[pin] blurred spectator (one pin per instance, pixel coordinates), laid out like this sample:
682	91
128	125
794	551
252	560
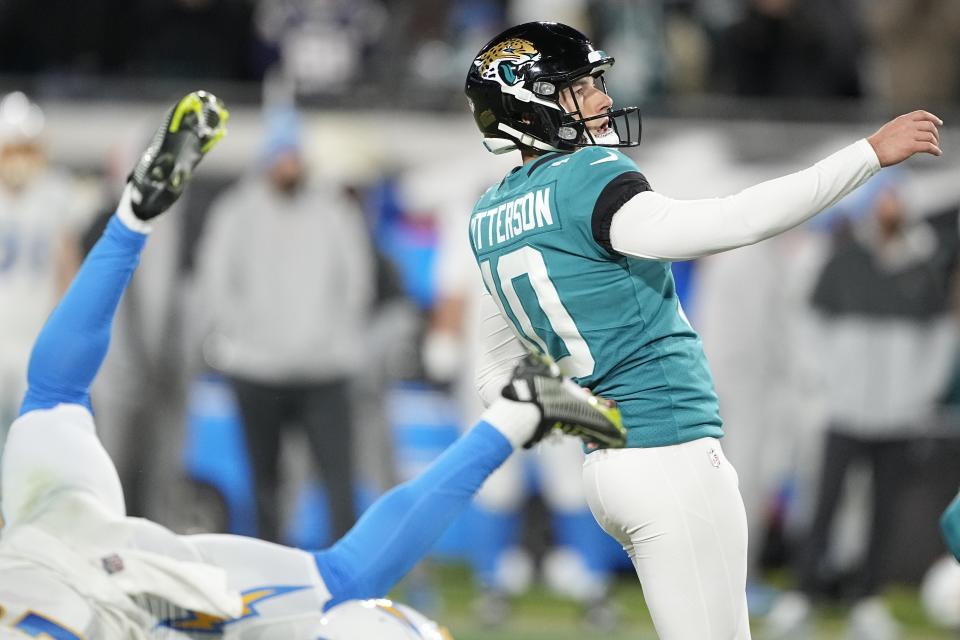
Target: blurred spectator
917	51
322	45
448	35
888	340
787	48
39	220
287	275
687	49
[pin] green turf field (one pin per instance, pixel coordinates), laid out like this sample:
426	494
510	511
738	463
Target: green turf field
540	616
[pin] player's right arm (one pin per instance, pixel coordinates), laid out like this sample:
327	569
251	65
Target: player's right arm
651	225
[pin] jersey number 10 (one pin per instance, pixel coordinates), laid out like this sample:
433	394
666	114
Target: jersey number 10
528	262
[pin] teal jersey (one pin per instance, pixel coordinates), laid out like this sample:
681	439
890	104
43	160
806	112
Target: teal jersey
613	323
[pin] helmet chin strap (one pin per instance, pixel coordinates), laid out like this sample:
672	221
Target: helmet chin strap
502	145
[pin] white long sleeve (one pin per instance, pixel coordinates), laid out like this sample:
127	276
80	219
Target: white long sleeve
653	226
500	351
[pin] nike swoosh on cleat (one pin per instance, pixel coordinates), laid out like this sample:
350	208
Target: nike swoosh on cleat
609	158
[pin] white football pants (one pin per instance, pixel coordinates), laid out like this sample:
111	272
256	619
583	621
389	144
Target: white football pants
677	512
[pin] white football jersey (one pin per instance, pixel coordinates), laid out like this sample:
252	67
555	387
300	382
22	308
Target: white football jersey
73	566
154	585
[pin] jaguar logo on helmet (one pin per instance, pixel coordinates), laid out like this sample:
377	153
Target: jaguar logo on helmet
504	61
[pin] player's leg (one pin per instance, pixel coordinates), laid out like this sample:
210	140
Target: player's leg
399	529
251	563
53	445
839	452
870	617
679	516
328	420
73	342
261	410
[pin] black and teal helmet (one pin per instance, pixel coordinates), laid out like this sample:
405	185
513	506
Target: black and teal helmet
514	84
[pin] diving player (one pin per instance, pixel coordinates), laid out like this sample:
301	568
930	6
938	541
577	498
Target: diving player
575	248
73	566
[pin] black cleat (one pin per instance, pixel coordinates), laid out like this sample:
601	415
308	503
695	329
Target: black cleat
564	405
191	128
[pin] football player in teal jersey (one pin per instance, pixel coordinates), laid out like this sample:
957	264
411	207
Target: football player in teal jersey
575	249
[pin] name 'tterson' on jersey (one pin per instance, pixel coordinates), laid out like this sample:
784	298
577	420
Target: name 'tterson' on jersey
509	220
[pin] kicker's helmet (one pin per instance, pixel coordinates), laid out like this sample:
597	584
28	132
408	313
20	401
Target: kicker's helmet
514	84
379	619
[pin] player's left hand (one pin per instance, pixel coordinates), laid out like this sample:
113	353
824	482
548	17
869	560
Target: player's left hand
906	135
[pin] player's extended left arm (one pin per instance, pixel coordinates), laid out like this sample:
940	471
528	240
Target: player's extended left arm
651	225
73	343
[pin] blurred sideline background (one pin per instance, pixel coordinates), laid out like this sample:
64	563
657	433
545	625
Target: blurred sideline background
833	346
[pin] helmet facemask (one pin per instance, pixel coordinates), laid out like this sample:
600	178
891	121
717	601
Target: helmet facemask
624	124
551	123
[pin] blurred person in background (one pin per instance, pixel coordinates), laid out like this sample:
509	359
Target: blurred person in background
688	48
788	49
287	278
915	50
320	46
577	564
887	340
39	225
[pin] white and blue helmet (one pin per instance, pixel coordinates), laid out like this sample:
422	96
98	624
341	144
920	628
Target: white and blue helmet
380	619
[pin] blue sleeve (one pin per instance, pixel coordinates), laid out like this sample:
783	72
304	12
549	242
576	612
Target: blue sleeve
73	343
401	527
